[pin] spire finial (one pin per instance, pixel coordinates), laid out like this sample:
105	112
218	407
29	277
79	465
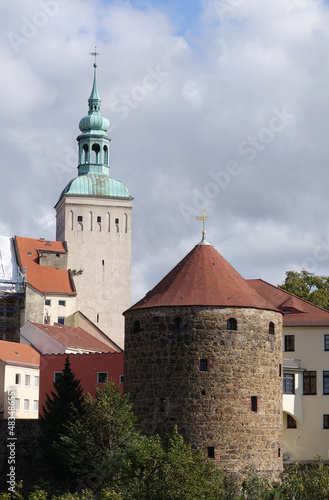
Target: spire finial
95	54
203	218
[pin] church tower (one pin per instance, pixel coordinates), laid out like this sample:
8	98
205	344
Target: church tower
93	216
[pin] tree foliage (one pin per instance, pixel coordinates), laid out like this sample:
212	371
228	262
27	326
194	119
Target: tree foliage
63	405
308	286
107	453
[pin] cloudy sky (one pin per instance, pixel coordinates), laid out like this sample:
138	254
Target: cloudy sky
215	105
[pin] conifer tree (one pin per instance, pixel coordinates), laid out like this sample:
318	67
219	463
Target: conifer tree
62	406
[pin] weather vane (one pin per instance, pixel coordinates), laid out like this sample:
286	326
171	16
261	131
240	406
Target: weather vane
203	218
95	54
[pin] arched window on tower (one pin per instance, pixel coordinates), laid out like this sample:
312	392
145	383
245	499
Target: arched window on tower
106	155
271	328
95	153
85	153
231	324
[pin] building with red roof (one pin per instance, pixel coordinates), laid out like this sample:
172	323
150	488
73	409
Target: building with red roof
91	369
62	339
305	373
203	351
50	295
19	380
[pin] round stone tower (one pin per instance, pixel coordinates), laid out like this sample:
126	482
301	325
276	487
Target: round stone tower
204	351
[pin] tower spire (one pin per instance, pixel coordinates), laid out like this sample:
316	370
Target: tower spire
94	99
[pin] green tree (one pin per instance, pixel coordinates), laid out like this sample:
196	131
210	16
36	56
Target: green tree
107	454
63	405
101	435
308	286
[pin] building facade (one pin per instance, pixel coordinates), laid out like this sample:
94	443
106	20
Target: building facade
305	374
19	380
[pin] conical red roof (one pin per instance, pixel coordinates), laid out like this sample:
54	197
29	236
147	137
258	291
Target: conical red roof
203	278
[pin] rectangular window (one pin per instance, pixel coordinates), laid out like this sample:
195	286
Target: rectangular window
326	342
36	381
101	377
62	302
254	403
26	404
291	422
122	379
35	405
203	365
326	421
47	302
18	379
288	383
325	382
309	383
17	404
57	376
211	451
99	219
80	218
289	343
27	380
60	320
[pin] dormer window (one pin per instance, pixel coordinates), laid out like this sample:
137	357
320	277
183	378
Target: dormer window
286	310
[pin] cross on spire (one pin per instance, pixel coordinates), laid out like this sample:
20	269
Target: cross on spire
95	54
203	218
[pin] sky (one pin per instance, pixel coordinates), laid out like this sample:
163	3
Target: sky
215	105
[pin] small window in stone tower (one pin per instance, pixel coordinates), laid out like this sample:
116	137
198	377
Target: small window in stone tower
254	405
117	224
80	218
271	328
99	219
231	324
211	451
179	325
203	365
162	405
136	327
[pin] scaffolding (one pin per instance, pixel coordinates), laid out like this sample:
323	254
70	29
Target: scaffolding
12	292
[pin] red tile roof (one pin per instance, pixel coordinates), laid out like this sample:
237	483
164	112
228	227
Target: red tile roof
203	278
45	279
13	353
74	338
302	313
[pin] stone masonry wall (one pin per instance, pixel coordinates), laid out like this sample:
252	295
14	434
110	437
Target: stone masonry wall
232	410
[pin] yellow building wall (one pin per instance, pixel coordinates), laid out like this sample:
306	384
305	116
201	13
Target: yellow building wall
21	391
309	439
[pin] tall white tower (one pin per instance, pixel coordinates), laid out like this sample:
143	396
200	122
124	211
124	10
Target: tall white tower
94	218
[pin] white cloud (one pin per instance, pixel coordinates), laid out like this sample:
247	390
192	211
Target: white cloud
215	87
